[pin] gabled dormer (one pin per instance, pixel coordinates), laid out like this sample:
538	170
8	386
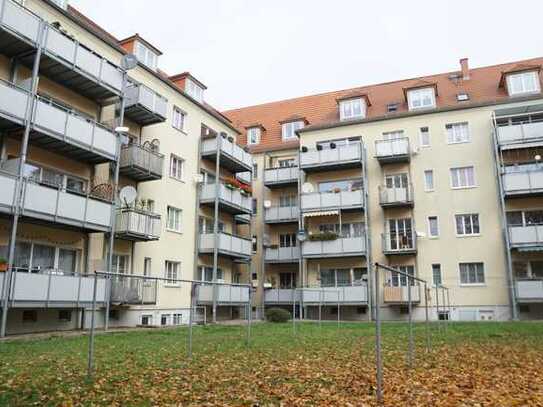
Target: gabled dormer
291	125
353	105
146	53
192	86
421	95
521	80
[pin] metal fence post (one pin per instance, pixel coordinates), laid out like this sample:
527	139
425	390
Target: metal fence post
437	308
378	358
294	312
189	349
426	324
410	318
90	361
249	317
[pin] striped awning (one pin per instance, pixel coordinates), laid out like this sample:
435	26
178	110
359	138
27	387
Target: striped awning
321	213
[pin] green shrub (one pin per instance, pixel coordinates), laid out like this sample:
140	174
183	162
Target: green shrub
277	315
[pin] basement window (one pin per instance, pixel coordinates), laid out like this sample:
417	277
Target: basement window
65	315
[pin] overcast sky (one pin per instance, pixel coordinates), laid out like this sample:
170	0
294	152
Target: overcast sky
253	51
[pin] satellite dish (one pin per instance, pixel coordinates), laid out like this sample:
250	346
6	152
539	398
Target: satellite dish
198	178
128	195
307	188
129	61
421	234
267	204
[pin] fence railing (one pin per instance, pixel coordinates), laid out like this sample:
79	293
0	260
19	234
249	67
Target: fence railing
392	148
133	291
281	214
332	200
138	224
520	133
340	247
143	159
328	156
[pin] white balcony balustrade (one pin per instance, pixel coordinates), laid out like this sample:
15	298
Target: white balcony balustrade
137	225
141	163
133	291
522	183
340	247
232	156
282	254
393	150
322	201
395	196
529	290
281	214
144	106
226	294
231	200
281	296
509	136
280	176
526	236
343	156
400	294
354	294
229	245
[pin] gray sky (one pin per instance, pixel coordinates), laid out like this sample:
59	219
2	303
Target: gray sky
254	51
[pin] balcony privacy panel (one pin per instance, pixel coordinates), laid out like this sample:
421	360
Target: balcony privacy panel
152	101
529	289
277	175
401	294
526	235
133	222
389	148
280	295
7	188
331	156
20	20
135	155
231	196
13	101
335	295
133	291
339	247
520	133
279	213
332	200
225	294
227	243
230	149
282	254
526	181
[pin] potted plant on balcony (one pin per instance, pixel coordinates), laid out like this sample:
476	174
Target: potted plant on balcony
323	236
3	264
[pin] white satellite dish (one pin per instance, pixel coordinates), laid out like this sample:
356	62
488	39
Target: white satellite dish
129	61
128	195
267	204
198	178
307	188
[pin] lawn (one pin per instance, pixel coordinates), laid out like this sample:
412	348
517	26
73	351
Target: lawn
487	364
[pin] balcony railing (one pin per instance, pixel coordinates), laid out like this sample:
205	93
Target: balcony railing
396	197
133	291
522	236
231	200
395	150
523	182
339	157
137	225
232	156
399	243
229	245
144	106
321	201
521	133
529	290
355	294
281	214
141	163
400	295
226	294
244	177
282	254
340	247
53	288
55	204
280	176
281	296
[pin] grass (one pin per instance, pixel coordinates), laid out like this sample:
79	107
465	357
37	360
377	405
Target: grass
470	364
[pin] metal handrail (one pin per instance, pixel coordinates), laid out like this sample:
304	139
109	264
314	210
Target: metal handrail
384	197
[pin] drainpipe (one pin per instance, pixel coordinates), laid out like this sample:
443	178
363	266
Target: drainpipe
369	264
216	225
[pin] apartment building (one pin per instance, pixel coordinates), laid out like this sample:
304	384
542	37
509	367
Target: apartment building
436	176
64	98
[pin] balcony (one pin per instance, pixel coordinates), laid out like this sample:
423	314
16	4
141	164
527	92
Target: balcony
520	136
526	237
244	177
242	219
340	247
141	163
282	255
53	289
226	294
347	295
19	28
400	295
144	106
54	204
341	157
137	225
523	183
392	151
325	201
396	197
281	214
281	177
232	156
529	290
229	245
230	200
281	296
399	243
133	291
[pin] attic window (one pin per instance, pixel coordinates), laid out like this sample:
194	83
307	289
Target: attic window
392	107
145	55
352	109
522	83
61	3
462	97
421	98
194	90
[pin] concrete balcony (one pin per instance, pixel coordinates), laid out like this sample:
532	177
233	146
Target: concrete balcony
396	197
400	295
282	255
141	163
347	295
526	236
232	156
399	243
281	177
132	291
341	157
53	289
230	200
340	247
325	201
231	246
281	296
137	225
56	205
529	290
392	151
520	136
523	183
281	214
144	106
226	294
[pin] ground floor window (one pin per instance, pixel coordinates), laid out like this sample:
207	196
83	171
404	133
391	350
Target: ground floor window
177	319
164	319
65	315
146	320
30	316
400	280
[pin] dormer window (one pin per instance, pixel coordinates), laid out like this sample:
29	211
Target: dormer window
194	90
421	98
145	55
289	129
522	83
352	109
253	135
61	3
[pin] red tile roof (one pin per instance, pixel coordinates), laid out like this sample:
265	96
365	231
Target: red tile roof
322	109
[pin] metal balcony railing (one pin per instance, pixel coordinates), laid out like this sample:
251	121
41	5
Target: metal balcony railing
232	200
529	290
281	176
523	182
137	225
399	243
341	156
144	106
396	196
229	245
133	291
280	214
340	247
233	156
350	294
282	254
321	201
520	133
141	163
226	294
281	296
529	235
394	150
400	294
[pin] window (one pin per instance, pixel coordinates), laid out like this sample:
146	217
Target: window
145	55
524	218
30	316
288	201
429	180
462	177
55	178
65	315
336	277
286	162
523	82
255	171
462	97
120	263
355	229
287	280
194	90
208	178
339	142
393	135
178	119
467	225
457	133
287	240
253	135
206	225
341	185
436	274
147	266
400	280
177	166
472	273
422	98
352	109
254	241
177	319
207	273
147	320
400	234
433	226
174	219
392	107
289	129
424	137
171	272
165	319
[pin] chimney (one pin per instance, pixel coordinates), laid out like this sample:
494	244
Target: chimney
465	68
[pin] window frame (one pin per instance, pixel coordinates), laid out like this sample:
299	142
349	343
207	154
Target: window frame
179	219
170	277
467	186
422	134
450	131
522	76
437	266
464	215
351	103
181	168
428	219
471	284
258	131
176	110
433	188
418	94
194	90
289	129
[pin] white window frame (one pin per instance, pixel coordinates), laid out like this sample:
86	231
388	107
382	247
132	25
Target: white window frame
523	76
178	213
471	217
144	54
288	130
458	133
416	98
350	109
177	167
440	274
458	171
426	186
172	270
472	284
430	235
179	119
424	143
257	132
194	90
